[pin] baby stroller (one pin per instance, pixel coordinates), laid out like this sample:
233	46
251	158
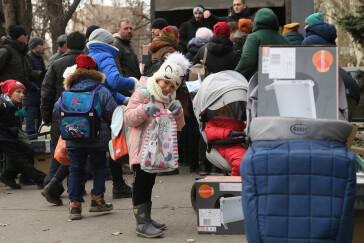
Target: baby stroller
298	178
217	91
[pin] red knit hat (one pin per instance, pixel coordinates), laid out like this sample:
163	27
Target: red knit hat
168	32
222	29
86	62
245	25
9	86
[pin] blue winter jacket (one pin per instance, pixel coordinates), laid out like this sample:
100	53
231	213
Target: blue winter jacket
104	55
78	80
32	97
320	34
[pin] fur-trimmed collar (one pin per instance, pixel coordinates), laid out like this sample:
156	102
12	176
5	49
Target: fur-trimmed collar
83	74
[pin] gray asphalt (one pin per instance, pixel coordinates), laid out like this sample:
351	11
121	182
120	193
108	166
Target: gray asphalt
25	216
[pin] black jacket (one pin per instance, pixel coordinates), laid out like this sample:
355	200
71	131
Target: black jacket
245	14
52	85
220	55
8	122
19	67
32	96
187	31
128	59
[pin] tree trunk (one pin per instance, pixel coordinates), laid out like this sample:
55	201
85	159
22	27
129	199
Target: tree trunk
18	12
59	16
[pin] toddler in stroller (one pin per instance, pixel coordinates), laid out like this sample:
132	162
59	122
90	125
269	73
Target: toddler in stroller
223	126
223	94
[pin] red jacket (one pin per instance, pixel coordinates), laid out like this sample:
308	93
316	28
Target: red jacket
220	129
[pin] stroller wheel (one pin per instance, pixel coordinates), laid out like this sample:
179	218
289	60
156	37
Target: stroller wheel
193	196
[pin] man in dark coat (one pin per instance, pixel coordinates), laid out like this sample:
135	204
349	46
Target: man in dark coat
31	100
240	11
52	88
62	48
188	29
129	62
14	61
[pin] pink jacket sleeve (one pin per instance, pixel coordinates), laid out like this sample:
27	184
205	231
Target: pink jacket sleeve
214	132
134	113
180	120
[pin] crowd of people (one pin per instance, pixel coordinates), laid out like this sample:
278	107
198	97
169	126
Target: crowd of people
84	61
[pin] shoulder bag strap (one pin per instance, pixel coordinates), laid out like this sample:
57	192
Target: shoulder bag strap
204	56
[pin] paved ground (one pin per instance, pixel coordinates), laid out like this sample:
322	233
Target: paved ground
25	216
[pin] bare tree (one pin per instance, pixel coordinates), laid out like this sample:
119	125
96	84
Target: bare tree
59	13
16	12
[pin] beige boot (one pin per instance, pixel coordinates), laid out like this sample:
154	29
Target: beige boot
98	204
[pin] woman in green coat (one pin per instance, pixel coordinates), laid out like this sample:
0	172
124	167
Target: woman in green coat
265	32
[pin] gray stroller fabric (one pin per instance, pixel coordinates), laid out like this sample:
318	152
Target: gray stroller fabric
216	91
289	128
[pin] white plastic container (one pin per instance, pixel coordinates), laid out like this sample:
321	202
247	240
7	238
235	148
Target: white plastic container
295	98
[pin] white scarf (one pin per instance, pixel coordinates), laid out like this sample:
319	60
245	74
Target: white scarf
155	90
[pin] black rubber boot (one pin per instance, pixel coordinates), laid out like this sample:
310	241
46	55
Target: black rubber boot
9	182
159	226
120	187
144	226
51	192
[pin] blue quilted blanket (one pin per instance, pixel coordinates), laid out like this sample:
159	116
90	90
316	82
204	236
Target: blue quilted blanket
298	191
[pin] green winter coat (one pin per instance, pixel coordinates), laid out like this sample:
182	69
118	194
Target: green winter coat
265	32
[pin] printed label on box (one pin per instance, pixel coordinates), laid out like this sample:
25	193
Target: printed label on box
206	229
209	217
282	63
234	187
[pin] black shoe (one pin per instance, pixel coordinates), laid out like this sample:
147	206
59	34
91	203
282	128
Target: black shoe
202	170
216	170
123	191
173	172
9	182
26	181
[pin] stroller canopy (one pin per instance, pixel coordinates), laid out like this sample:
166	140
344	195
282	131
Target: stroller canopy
218	90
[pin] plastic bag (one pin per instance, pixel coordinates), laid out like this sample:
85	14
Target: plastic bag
160	149
61	152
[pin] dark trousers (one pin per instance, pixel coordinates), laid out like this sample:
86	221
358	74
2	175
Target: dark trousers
77	170
143	183
22	160
33	113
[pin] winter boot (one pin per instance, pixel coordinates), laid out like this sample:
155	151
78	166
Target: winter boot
51	192
144	227
98	204
9	182
121	190
75	210
159	226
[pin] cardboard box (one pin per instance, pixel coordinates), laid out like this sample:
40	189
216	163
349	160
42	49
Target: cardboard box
219	208
42	161
298	81
41	146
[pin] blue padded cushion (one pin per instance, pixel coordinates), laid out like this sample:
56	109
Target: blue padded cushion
298	190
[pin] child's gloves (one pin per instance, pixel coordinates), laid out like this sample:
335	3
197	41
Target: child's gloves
150	109
174	105
21	113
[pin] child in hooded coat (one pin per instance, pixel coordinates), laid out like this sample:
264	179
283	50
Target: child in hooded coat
86	77
220	127
161	89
